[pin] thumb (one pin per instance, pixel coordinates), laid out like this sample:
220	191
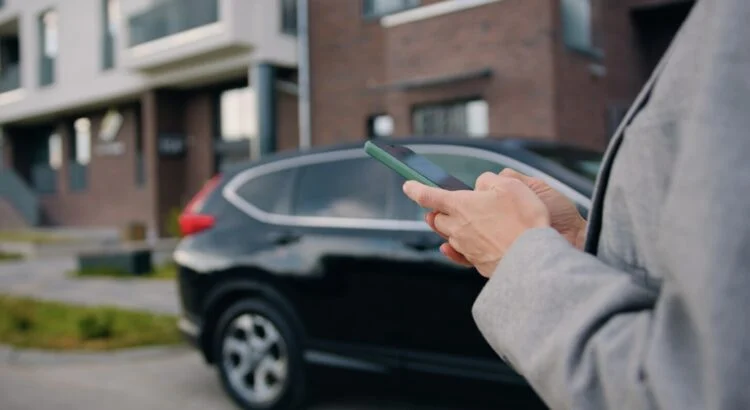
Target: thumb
429	197
531	182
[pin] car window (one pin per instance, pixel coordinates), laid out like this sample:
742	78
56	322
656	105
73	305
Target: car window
583	163
354	188
268	192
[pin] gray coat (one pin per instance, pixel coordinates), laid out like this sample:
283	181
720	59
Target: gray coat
656	313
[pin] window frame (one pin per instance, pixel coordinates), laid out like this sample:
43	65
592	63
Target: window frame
229	192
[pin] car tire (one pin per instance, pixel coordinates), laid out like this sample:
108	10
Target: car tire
258	357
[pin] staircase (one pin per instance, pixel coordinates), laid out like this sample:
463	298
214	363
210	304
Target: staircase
19	205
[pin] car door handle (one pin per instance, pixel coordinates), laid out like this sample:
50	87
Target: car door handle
285	238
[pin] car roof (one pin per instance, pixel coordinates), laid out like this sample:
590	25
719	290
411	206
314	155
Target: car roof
499	144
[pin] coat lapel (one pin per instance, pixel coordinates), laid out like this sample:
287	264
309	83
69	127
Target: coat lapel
595	216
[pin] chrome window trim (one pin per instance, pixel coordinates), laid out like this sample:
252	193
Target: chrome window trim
230	189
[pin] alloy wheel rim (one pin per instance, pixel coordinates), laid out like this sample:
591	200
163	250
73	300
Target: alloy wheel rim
255	358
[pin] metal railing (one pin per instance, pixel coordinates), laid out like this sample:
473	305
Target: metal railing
170	17
15	190
10	78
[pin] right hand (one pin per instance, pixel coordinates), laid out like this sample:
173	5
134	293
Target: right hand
564	216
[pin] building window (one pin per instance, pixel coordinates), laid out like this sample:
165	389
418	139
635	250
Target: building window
465	118
237	114
10	63
289	17
48	29
577	26
80	154
377	8
111	19
379	126
55	150
237	126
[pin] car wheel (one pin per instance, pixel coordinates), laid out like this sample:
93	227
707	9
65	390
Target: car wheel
258	357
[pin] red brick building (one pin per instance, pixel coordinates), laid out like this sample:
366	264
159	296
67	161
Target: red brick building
553	69
222	87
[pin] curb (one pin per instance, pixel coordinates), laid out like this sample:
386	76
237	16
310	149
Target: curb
15	356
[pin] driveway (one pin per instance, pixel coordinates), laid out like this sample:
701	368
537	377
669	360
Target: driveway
164	379
46	279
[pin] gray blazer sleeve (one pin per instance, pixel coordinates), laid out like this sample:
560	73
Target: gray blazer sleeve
588	337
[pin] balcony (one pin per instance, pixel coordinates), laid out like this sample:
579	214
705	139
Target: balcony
171	17
176	34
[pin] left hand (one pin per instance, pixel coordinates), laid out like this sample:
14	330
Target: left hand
481	225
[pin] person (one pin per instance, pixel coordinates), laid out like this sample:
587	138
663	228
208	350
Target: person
646	304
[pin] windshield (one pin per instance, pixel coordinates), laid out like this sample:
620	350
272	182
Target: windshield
583	163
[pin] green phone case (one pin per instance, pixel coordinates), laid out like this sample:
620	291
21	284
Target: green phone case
393	163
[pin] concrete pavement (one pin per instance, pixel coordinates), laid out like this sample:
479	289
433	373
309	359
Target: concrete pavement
46	279
162	378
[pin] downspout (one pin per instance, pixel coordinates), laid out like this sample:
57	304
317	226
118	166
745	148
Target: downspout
303	70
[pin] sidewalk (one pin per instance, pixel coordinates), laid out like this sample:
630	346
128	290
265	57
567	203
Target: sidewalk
46	279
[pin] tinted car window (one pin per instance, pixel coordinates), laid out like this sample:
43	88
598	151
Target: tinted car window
583	163
269	192
355	188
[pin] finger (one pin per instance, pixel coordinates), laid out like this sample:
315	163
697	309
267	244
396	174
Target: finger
452	254
430	219
445	224
512	173
429	197
486	181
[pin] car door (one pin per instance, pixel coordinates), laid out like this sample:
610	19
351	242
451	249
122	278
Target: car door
341	209
441	337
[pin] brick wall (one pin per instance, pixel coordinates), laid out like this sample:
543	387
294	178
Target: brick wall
356	62
287	121
199	124
112	197
512	38
346	55
580	93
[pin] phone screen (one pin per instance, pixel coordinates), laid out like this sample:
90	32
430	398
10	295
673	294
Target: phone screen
427	168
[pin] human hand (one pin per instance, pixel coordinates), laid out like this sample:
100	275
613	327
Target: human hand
481	225
563	214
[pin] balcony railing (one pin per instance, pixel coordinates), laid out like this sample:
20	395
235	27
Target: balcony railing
171	17
10	78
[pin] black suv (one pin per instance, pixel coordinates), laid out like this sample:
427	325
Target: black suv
317	258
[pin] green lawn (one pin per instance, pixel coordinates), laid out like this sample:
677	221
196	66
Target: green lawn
4	256
33	237
166	271
30	323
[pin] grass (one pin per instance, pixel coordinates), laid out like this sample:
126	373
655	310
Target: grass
165	271
7	257
30	323
32	237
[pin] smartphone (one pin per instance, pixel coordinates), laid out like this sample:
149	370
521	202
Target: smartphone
413	166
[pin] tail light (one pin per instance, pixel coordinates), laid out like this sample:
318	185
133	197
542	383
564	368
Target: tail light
191	220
